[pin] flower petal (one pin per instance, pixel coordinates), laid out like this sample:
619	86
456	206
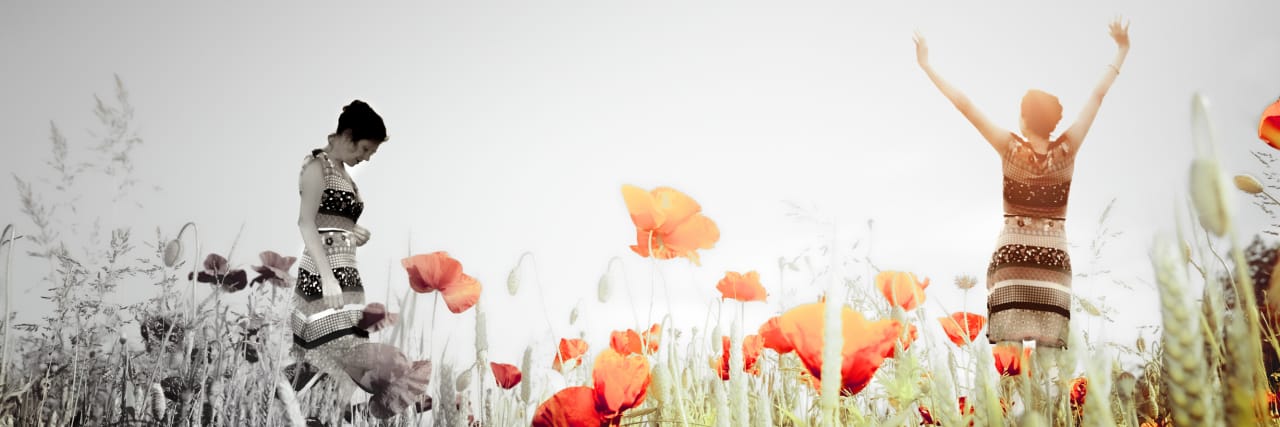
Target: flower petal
431	272
215	264
573	406
642	206
461	294
507	376
621	382
698	232
772	336
676	206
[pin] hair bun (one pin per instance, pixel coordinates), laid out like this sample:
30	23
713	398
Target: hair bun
355	104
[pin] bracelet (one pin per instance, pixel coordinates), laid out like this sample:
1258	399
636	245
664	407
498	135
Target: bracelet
1114	68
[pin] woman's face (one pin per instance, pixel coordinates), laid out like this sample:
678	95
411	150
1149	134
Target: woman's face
361	151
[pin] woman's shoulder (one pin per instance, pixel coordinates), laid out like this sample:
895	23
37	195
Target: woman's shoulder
320	158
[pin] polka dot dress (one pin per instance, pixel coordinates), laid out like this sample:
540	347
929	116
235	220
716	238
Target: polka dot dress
323	335
1029	277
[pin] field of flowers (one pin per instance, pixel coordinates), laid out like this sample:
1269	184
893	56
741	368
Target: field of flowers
851	357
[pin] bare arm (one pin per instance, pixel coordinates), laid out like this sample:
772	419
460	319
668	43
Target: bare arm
311	185
995	135
1076	133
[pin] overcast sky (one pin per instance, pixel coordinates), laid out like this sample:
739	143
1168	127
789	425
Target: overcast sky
514	124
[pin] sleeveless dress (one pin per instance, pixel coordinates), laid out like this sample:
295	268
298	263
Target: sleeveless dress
322	336
1029	277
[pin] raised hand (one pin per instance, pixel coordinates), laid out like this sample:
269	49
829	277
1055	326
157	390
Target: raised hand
1120	33
922	49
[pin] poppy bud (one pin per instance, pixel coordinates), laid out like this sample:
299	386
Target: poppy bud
603	291
573	315
464	380
172	252
513	280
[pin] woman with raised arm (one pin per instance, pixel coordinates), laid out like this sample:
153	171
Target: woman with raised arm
1029	277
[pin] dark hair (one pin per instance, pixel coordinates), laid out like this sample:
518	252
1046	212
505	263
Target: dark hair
362	121
1041	111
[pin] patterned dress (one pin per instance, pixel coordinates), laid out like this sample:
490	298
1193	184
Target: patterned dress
322	336
1029	278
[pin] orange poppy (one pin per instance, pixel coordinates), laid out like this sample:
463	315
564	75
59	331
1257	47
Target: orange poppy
752	345
771	333
865	343
1079	387
1007	360
570	352
626	342
1269	127
669	222
507	376
437	271
573	406
651	338
901	289
621	382
956	324
741	287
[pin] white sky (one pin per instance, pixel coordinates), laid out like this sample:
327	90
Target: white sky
514	125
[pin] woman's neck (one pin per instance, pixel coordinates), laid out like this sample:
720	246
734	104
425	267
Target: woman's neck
1039	144
339	162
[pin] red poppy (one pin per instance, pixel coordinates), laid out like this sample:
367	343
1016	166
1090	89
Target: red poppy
901	289
752	345
437	271
741	287
621	382
217	271
274	269
1007	360
507	376
573	406
626	342
669	222
865	343
771	333
569	353
1079	387
375	317
1269	127
962	327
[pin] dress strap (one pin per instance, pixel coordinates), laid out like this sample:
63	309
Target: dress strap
323	156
